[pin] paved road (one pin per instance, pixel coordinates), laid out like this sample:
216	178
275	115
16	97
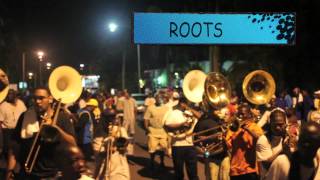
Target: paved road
139	163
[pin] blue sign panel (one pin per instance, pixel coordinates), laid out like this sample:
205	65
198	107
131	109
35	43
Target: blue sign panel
249	28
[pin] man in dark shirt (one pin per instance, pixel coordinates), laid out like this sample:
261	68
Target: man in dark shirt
213	149
29	125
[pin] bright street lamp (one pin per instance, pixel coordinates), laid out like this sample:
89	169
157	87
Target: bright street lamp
30	75
49	65
112	27
81	67
40	55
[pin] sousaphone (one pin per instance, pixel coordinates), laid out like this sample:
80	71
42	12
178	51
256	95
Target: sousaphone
65	84
193	85
258	87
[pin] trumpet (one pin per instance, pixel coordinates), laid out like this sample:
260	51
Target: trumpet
65	86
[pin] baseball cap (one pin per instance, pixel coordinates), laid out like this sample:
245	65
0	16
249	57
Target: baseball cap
92	102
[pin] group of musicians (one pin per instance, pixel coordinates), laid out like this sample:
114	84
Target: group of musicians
234	145
232	141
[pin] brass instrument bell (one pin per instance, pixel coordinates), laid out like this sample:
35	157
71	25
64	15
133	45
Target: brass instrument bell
193	85
258	87
217	90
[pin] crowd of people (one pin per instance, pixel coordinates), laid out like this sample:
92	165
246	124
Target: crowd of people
280	140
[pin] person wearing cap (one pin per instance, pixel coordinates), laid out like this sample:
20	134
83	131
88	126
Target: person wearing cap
84	128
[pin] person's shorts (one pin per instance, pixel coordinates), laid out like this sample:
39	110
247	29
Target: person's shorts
156	144
7	139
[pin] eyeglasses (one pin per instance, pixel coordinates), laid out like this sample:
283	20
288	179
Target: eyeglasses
39	97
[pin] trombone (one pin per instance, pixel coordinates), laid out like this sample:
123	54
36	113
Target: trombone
213	90
65	86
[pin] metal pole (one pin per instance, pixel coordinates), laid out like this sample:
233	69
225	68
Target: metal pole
139	66
123	69
40	71
23	66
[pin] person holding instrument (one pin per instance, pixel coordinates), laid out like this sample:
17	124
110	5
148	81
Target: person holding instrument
29	125
273	148
183	151
242	145
213	149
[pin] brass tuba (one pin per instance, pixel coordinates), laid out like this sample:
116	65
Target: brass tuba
258	87
4	85
65	86
193	85
217	90
212	90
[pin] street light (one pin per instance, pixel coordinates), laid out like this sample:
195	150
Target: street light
48	65
40	57
30	75
112	28
81	67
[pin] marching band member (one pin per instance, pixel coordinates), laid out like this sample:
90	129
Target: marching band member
28	125
242	145
183	151
273	149
118	166
217	159
157	136
115	165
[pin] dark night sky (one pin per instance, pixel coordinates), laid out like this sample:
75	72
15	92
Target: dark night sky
73	32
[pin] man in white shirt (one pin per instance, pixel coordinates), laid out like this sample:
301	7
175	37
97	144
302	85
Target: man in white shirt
271	149
129	113
157	136
10	111
183	150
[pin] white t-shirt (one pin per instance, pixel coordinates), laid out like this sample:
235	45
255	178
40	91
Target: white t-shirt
119	167
266	152
176	117
129	106
9	113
